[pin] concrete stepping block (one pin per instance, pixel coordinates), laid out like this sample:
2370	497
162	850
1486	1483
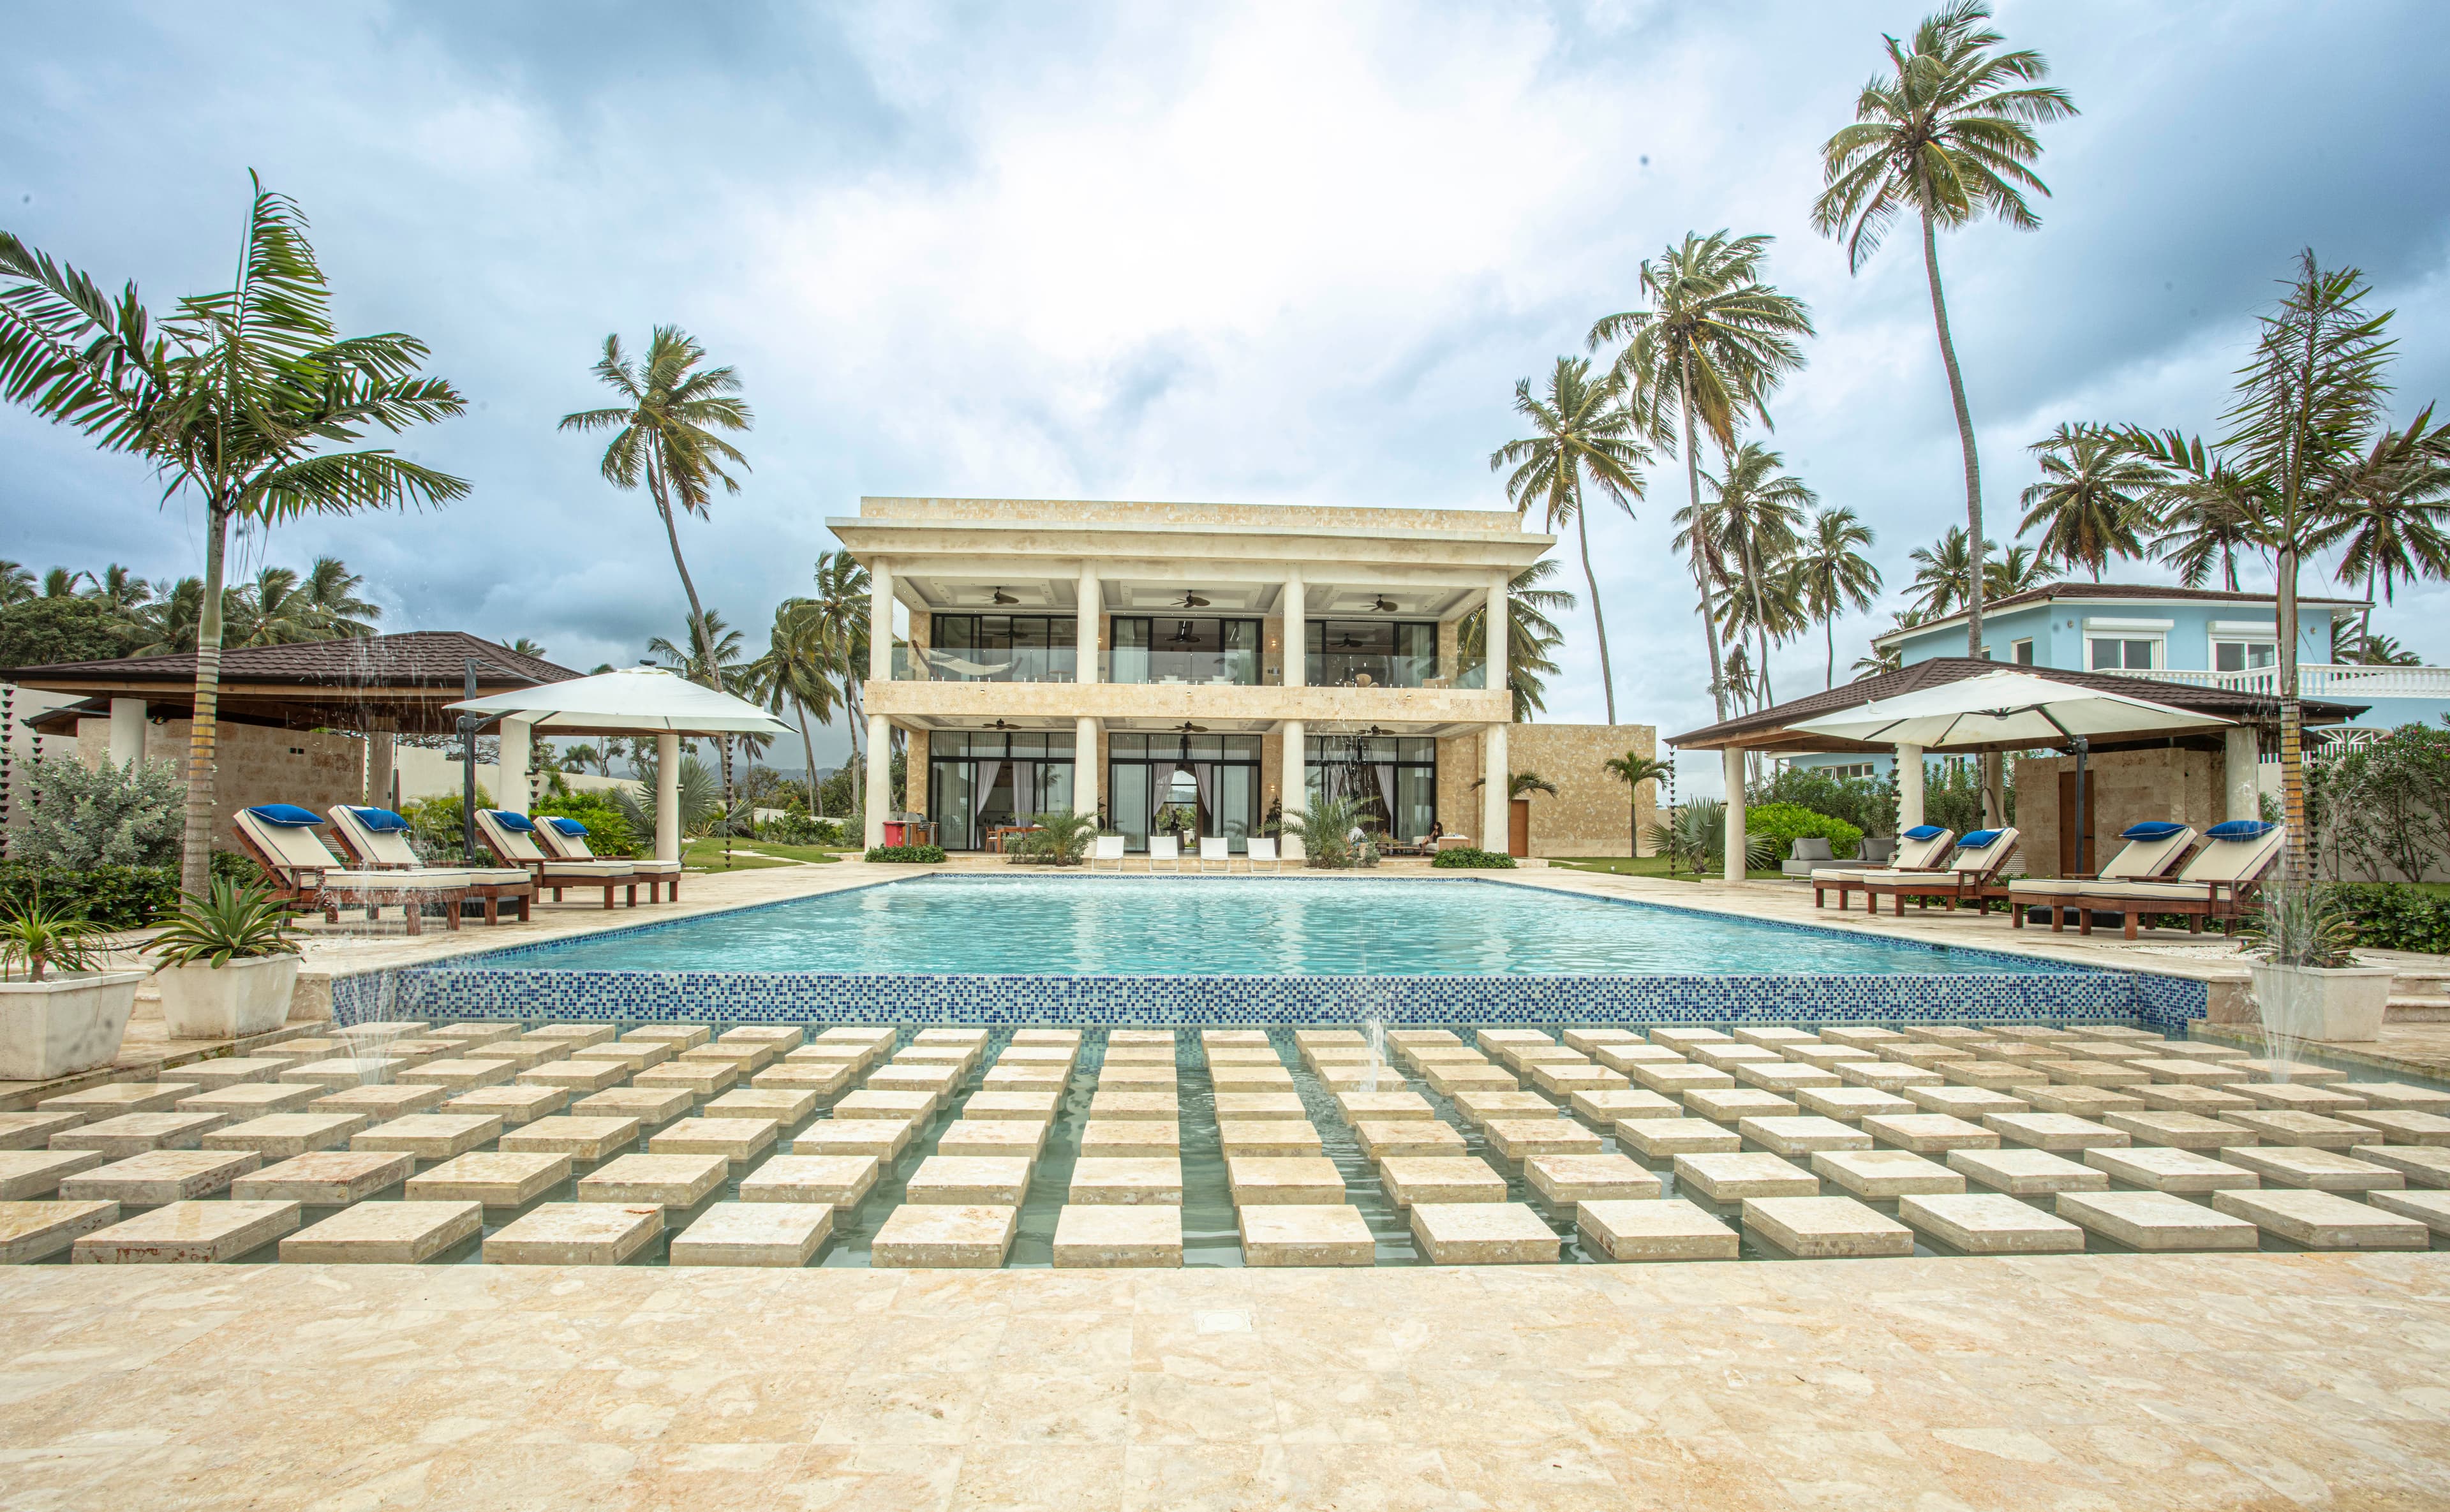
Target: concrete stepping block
186	1234
2422	1165
2026	1172
1665	1229
1406	1136
2179	1071
114	1097
1684	1036
821	1081
1284	1180
1729	1105
2180	1131
573	1035
1600	1110
1787	1080
1233	1036
1866	1035
1126	1183
1850	1105
2100	1074
1101	1236
749	1058
1986	1223
1071	1036
1011	1106
785	1108
2296	1071
1132	1106
671	1181
992	1136
2303	1098
431	1135
1589	1039
2303	1166
2082	1102
2021	1050
1305	1235
650	1107
233	1071
2057	1132
2014	1079
160	1178
1970	1103
940	1082
25	1175
133	1134
1057	1055
885	1138
34	1131
1666	1138
970	1181
497	1179
930	1235
678	1037
1945	1034
1567	1180
458	1075
1245	1106
738	1140
696	1077
1884	1077
1251	1078
393	1233
2398	1094
1267	1136
1802	1135
346	1071
312	1047
478	1031
841	1181
1484	1233
2204	1101
1924	1057
1777	1036
1928	1134
2285	1126
2401	1126
630	1056
581	1137
1826	1055
970	1035
1523	1057
36	1231
781	1036
1825	1227
1625	1056
1242	1055
1522	1139
1677	1080
2157	1222
250	1100
1387	1102
1492	1040
2321	1220
1454	1080
522	1056
1411	1179
1880	1175
326	1178
1733	1177
866	1104
575	1233
1163	1054
514	1105
380	1104
1478	1108
2158	1168
2206	1049
1565	1081
1113	1036
1727	1057
786	1235
1131	1139
2431	1209
575	1077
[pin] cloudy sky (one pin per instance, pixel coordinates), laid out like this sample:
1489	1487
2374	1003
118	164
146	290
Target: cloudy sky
1276	254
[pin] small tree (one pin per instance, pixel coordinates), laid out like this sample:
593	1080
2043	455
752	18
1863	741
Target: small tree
1633	770
112	816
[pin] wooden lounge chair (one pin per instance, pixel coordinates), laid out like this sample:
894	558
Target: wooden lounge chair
2220	883
376	839
512	838
1971	877
1215	851
1919	850
1262	849
302	869
1107	849
2152	850
565	839
1165	851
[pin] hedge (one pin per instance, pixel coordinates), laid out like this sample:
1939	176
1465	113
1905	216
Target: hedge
113	897
1782	825
919	854
1467	857
2393	915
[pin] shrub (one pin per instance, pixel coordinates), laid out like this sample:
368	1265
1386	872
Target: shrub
1695	834
1475	859
801	829
2386	804
1869	805
109	816
916	855
111	897
607	827
2393	915
435	829
1782	825
230	923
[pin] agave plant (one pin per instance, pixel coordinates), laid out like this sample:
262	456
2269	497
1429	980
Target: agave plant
1325	829
231	922
1695	834
1058	840
36	939
2303	927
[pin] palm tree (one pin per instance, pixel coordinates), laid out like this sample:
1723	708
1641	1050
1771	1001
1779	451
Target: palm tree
61	583
2389	512
1946	138
1583	432
524	647
1878	660
841	612
1758	510
2209	513
119	591
713	658
237	396
2094	499
328	600
2017	569
16	584
1531	636
2351	645
1633	770
1712	347
801	668
1943	573
1837	576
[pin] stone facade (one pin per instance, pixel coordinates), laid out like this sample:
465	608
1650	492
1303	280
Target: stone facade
256	765
1588	816
2129	788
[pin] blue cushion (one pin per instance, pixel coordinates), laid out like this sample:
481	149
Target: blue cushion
2151	829
567	826
1978	839
515	824
1925	832
381	821
285	814
2242	829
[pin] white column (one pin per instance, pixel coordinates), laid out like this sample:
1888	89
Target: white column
1909	788
1090	609
1086	766
879	769
126	732
1732	762
2241	759
879	624
1296	777
1496	801
1297	657
518	740
1500	637
668	796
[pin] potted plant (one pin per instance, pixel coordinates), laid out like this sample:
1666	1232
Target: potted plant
62	1010
228	964
2306	982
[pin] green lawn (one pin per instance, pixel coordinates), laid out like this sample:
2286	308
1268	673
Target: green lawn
1646	866
706	855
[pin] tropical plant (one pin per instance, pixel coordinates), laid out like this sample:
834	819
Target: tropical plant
907	855
1583	434
1472	858
2349	645
2208	512
107	815
1868	804
37	938
2387	513
1715	343
1837	576
1695	834
1880	660
1945	137
802	667
230	923
1757	511
237	396
701	796
2301	927
609	833
119	591
713	658
1779	825
1943	576
1531	636
842	615
16	584
1325	829
524	647
2095	500
2017	569
1058	840
2386	802
1633	770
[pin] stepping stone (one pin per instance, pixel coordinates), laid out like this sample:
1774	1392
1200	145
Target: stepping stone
1132	1106
133	1134
1676	1080
310	1047
676	1038
2398	1094
970	1035
1986	1223
866	1104
1276	1180
160	1178
739	1140
380	1104
2432	1209
1406	1136
1009	1107
1727	1105
1246	1056
1132	1140
25	1175
1879	1175
1521	1138
2013	1078
458	1075
1139	1054
571	1036
2204	1050
885	1138
1233	1036
2099	1074
1249	1106
1970	1103
1449	1081
1775	1037
1126	1183
1305	1235
2180	1131
1628	1056
1727	1057
678	1182
2026	1172
787	1109
1884	1076
2155	1221
2204	1101
747	1060
2082	1102
1667	1229
1249	1079
1590	1040
1825	1227
1113	1036
1391	1103
1928	1134
702	1080
1564	1081
186	1234
2401	1126
114	1097
821	1081
1567	1180
629	1057
839	1181
391	1233
780	1037
981	1136
2296	1071
1802	1135
1666	1138
575	1233
326	1178
2185	1073
754	1233
34	1131
2305	1099
1484	1233
1861	1034
1945	1034
2421	1164
1100	1237
575	1077
1267	1136
233	1071
431	1135
522	1056
514	1105
970	1181
1850	1105
478	1031
1826	1056
930	1235
36	1231
2320	1220
2180	1171
2316	1170
1787	1080
588	1139
1925	1057
1601	1110
1684	1037
346	1070
1527	1058
1411	1179
501	1179
650	1107
938	1081
1731	1178
1478	1108
1492	1040
2057	1132
1059	1055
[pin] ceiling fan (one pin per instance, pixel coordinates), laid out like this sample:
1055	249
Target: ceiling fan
1003	725
1002	597
1192	600
1382	605
1189	729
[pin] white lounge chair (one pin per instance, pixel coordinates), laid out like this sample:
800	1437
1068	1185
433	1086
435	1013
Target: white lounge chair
1107	849
2153	849
1214	851
2219	883
376	839
282	839
1971	877
512	838
1920	850
565	839
1164	851
1263	849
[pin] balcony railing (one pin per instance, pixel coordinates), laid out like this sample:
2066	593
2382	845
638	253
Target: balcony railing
2331	680
1155	665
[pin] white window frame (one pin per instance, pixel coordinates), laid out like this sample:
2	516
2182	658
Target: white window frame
2020	652
2248	633
2105	628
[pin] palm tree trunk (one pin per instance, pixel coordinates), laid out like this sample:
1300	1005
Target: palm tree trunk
1829	640
807	746
1965	439
1701	572
1760	620
1599	624
704	655
196	839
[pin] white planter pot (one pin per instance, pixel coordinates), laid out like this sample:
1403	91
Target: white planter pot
2323	1002
204	1001
64	1025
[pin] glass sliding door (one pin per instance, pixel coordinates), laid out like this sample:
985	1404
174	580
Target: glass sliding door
981	781
1176	648
1393	779
1003	648
1213	780
1371	653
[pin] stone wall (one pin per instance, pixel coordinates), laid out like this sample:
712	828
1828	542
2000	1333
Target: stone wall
1588	816
256	765
2129	787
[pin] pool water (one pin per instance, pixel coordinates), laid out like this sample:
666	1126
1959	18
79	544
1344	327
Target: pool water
1218	927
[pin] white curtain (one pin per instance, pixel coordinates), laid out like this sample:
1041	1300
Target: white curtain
982	786
1024	790
1386	773
1203	777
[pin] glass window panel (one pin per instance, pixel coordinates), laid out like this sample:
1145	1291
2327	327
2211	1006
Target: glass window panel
1419	749
1207	748
948	801
1029	744
1416	802
1127	784
1242	748
1131	656
1059	745
1238	798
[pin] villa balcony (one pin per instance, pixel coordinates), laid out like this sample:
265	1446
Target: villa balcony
1156	667
2341	682
962	699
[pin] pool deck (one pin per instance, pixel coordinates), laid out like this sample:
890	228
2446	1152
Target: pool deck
2077	1382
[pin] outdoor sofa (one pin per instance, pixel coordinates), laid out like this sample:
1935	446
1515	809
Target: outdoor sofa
1971	876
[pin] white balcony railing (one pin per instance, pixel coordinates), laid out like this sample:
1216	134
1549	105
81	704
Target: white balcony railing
2343	682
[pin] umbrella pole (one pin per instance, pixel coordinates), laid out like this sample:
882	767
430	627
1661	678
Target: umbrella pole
2082	835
